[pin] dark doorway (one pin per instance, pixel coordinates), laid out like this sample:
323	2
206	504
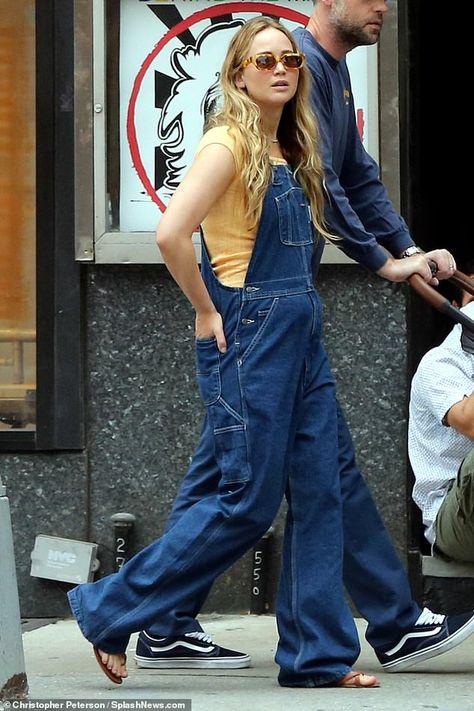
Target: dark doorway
435	201
435	143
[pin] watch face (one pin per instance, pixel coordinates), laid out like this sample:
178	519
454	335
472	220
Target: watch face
410	251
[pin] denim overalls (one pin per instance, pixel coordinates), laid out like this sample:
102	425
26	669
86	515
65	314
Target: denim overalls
271	426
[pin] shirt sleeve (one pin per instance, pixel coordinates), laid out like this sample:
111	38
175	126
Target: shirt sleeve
368	197
439	383
358	208
217	134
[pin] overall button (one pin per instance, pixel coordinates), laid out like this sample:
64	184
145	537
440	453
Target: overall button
246	321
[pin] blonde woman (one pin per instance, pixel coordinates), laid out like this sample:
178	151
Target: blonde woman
271	415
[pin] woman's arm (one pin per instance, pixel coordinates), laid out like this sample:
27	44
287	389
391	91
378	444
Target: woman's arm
208	178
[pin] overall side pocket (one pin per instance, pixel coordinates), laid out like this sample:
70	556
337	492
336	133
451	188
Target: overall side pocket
207	370
228	425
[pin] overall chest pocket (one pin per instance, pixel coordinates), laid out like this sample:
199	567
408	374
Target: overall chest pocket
294	218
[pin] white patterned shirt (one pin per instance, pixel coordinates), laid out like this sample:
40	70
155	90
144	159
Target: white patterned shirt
444	377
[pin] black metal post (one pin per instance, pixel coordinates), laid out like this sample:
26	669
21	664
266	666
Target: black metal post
123	525
259	574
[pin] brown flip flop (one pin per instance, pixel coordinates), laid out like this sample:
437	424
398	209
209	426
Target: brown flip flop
108	672
355	680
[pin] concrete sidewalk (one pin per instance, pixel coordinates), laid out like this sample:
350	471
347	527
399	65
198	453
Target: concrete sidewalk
60	665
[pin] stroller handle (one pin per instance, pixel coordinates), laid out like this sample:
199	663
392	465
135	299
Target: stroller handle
442	304
463	281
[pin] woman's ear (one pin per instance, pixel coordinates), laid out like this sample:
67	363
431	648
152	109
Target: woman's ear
239	81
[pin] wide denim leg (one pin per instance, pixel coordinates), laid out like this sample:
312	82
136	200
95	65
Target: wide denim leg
301	598
373	573
170	572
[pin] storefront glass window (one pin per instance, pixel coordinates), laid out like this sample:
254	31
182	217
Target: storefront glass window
17	216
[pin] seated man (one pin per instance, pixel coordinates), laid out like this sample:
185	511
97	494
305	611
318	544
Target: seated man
441	439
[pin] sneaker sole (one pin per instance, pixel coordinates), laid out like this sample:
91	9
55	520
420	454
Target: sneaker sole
185	663
443	646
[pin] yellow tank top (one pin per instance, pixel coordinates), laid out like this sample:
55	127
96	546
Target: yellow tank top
228	235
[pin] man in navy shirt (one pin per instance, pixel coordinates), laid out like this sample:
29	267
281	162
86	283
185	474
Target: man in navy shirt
359	209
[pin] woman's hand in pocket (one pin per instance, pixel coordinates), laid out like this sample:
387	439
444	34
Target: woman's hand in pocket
210	325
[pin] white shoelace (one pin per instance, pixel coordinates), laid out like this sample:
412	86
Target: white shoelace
202	636
429	618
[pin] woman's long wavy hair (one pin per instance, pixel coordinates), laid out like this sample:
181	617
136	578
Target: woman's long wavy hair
297	132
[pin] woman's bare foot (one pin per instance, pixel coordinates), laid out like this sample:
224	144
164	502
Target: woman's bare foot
358	680
113	665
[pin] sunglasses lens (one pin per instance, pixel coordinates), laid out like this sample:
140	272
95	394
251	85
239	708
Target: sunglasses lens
265	61
292	61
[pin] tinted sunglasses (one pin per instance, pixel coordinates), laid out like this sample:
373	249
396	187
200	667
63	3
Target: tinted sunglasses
268	60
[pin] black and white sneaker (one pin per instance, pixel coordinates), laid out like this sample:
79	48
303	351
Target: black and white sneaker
194	650
431	635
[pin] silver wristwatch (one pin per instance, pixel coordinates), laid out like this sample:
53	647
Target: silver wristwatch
410	251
